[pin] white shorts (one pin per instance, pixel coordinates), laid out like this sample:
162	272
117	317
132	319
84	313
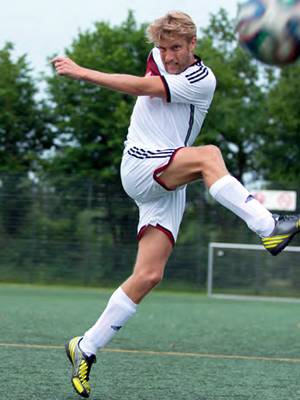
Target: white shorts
158	205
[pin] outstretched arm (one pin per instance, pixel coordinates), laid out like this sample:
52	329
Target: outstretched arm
130	84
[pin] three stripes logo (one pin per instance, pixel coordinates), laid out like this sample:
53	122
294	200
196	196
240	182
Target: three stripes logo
197	75
271	242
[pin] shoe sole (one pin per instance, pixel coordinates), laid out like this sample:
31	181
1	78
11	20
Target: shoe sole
68	353
282	246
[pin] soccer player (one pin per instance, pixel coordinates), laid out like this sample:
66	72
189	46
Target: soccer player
159	160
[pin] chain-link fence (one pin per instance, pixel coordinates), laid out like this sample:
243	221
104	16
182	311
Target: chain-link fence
74	230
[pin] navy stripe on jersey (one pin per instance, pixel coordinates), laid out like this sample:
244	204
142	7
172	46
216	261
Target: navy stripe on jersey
166	89
191	123
197	75
142	154
195	72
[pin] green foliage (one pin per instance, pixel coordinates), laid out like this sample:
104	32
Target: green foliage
283	129
24	135
92	122
23	123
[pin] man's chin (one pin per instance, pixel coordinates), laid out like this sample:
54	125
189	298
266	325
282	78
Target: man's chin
173	70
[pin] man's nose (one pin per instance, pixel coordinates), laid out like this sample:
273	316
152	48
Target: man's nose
169	56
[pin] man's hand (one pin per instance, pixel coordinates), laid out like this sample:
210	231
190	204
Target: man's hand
66	67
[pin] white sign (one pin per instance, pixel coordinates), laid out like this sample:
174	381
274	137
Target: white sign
283	200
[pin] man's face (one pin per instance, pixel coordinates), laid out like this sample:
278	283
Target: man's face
177	53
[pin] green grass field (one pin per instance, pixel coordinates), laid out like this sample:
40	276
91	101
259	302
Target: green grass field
179	346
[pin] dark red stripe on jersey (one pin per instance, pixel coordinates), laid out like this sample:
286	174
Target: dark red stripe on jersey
159	170
152	68
161	228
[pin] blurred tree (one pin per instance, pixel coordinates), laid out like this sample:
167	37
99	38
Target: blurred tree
93	121
24	129
24	134
280	159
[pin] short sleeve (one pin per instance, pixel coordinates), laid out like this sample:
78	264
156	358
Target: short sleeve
194	86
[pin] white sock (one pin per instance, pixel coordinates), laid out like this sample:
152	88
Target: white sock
117	312
233	195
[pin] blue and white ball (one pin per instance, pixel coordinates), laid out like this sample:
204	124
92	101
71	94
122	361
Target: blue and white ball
270	30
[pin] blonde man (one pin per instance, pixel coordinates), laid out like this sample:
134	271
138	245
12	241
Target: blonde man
158	161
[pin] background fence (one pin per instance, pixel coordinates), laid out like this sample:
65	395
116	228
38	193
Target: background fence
73	230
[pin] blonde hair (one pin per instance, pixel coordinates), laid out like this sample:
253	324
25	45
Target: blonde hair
174	23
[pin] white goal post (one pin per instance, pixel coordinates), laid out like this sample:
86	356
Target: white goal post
231	256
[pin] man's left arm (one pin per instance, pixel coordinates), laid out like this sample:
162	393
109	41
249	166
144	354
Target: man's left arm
130	84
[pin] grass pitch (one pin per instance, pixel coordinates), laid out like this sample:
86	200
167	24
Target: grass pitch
178	346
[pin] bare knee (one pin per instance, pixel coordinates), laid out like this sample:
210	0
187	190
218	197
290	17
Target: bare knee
149	279
211	163
209	155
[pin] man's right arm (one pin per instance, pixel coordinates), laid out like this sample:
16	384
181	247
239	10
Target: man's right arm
130	84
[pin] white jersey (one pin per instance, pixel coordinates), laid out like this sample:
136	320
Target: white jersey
159	124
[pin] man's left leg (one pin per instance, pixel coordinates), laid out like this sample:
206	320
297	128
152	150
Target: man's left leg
153	252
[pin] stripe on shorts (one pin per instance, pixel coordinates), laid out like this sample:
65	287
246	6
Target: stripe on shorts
143	154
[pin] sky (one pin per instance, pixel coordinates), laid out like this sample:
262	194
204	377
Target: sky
42	28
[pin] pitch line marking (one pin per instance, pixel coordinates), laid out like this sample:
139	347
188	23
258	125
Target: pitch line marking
163	353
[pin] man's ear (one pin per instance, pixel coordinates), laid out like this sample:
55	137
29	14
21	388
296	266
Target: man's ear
193	43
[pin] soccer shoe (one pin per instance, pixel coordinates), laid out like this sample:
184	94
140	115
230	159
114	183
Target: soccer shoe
81	367
286	227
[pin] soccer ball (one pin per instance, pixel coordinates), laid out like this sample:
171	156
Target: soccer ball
270	30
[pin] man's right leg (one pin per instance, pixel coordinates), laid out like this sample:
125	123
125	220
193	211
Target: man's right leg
207	162
153	252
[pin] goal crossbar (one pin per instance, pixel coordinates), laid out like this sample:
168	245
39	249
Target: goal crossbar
240	246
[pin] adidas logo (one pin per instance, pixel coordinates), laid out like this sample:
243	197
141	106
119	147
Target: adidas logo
115	328
249	198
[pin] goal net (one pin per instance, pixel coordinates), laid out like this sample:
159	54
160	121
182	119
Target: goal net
237	270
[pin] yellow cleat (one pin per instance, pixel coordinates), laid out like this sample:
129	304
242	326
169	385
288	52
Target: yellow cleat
81	366
286	227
